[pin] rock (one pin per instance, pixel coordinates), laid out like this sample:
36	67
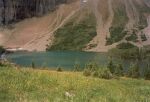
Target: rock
16	10
67	94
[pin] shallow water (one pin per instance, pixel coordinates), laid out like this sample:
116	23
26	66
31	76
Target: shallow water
64	59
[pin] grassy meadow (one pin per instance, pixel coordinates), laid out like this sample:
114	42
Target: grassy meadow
33	85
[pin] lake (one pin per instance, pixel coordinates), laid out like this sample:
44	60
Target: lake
64	59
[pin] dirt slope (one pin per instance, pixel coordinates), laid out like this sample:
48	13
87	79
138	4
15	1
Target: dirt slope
36	33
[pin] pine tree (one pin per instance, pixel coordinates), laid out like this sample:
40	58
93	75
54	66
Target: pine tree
111	66
133	71
147	72
119	70
33	65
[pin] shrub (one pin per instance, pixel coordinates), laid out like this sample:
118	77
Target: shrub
92	69
76	68
92	66
119	70
86	72
105	73
59	69
133	71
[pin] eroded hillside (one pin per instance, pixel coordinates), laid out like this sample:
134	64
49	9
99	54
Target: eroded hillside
91	25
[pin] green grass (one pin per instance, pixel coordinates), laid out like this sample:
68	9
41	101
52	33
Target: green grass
75	36
28	85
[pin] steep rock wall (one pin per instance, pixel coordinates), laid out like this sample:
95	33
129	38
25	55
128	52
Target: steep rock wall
15	10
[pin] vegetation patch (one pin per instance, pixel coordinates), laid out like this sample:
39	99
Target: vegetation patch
143	20
132	53
132	37
75	36
2	50
143	37
126	46
117	32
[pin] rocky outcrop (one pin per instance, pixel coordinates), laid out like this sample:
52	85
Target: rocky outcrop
15	10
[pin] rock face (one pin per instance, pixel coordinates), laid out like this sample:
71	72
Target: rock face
15	10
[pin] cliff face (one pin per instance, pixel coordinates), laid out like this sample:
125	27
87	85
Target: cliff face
15	10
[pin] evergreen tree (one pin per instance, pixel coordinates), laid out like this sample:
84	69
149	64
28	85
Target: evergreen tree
33	65
133	71
59	69
119	70
147	72
111	66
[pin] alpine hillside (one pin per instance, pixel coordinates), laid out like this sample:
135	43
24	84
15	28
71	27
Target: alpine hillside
89	25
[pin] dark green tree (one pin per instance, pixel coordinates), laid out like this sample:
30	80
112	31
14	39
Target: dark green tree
33	65
59	69
111	66
133	71
119	70
147	72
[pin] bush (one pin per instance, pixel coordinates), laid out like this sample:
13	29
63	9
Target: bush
133	71
92	69
119	70
59	69
86	72
76	68
105	73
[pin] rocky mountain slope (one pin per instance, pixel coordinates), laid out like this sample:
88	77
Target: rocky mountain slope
91	25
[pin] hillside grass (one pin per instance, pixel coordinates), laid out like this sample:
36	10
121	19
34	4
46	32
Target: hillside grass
32	85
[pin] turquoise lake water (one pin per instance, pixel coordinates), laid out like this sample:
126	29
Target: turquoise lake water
64	59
